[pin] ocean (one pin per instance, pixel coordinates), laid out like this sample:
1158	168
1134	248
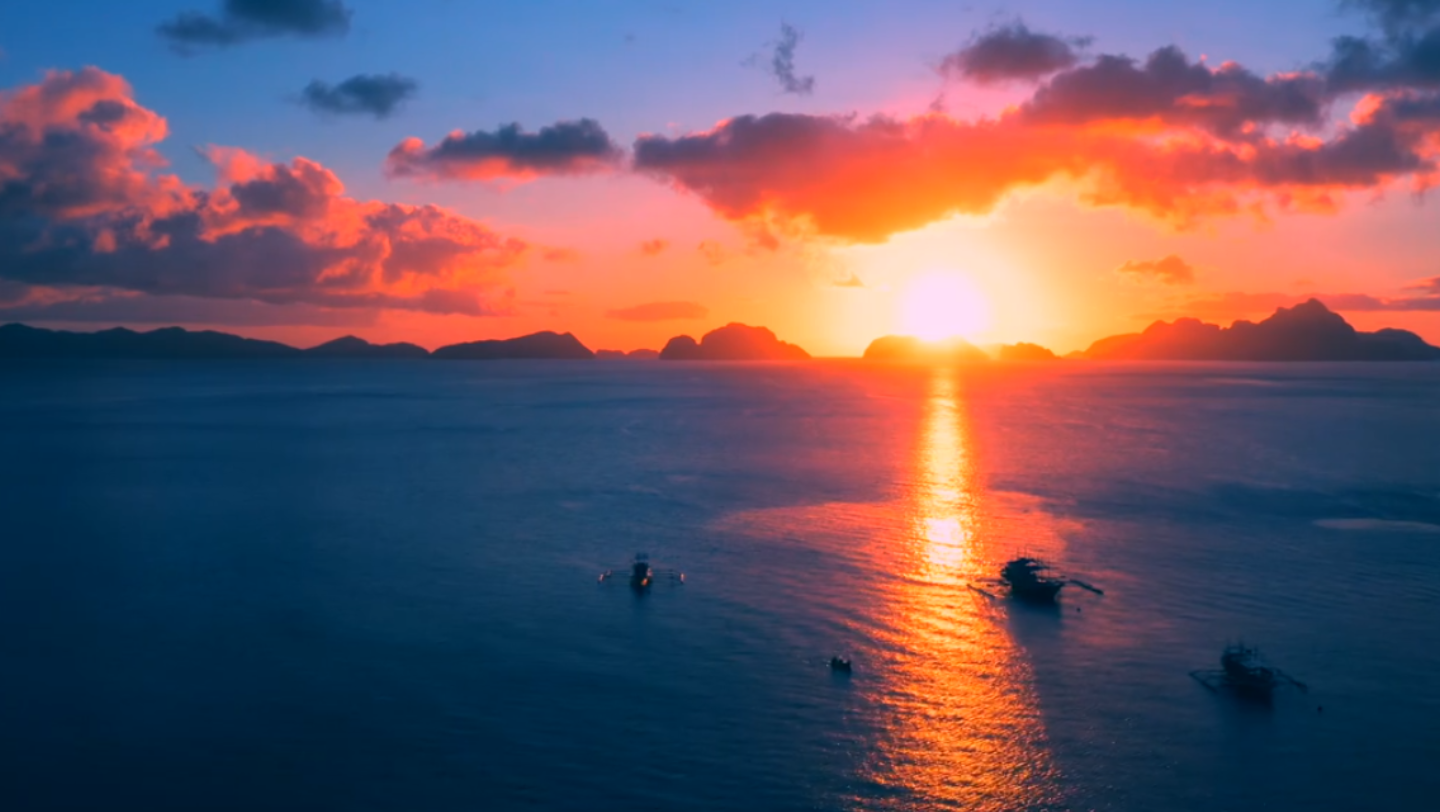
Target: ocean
374	586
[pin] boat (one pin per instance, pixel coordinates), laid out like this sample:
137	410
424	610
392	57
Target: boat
1245	673
1026	579
840	665
643	576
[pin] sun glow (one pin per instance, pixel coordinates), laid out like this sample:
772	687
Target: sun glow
943	304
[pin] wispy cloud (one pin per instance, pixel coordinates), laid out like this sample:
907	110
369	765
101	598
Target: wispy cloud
779	62
660	311
1171	270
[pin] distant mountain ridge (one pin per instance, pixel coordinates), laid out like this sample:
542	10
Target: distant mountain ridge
176	343
21	341
1306	332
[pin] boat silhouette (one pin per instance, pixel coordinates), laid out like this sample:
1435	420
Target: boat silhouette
643	576
1027	579
1244	673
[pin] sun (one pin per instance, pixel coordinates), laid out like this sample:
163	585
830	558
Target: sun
943	304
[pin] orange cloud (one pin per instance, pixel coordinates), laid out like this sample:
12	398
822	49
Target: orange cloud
1172	270
85	206
1176	140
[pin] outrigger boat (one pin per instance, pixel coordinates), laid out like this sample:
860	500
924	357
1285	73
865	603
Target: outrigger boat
1026	579
1244	673
642	575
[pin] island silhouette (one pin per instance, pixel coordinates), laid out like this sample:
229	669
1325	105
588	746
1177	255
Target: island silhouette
352	347
562	346
733	342
1306	332
633	355
909	349
1024	351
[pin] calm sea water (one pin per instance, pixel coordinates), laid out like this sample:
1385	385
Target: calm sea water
372	586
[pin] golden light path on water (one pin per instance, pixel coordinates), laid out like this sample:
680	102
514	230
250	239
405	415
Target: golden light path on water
953	716
964	731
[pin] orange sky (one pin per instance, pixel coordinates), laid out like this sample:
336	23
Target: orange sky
1045	268
1022	187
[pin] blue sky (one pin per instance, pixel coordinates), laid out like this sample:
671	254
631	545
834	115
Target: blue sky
634	66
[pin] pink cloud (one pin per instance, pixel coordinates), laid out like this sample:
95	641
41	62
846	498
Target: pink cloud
84	202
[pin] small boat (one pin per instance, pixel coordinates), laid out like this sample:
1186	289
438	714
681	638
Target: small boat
1244	673
1026	579
643	576
840	665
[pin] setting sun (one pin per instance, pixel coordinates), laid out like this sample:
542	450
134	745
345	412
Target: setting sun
943	305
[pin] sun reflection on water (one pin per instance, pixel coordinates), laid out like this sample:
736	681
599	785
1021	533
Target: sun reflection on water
963	728
943	495
948	717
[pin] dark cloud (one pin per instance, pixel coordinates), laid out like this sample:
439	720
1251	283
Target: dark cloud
82	206
565	148
270	264
243	20
1011	52
376	95
1171	89
1171	270
1407	55
1410	61
782	63
1397	17
301	190
660	311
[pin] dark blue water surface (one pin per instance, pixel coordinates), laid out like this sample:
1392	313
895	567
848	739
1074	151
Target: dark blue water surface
373	586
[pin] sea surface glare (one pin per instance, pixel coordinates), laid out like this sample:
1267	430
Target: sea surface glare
373	586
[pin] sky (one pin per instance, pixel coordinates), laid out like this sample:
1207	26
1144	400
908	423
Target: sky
451	170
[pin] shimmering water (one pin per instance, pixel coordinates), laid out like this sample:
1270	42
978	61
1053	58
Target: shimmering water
373	586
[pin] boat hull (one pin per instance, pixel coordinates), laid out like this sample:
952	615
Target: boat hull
1041	592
